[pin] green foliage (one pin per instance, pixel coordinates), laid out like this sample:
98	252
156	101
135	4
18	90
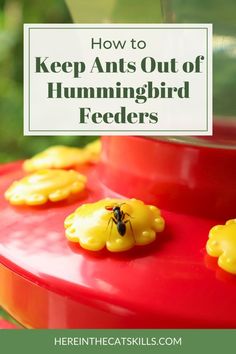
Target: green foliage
7	317
13	13
222	16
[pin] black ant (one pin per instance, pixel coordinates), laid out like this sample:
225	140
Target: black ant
118	219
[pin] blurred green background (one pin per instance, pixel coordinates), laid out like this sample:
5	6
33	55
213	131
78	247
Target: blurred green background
13	13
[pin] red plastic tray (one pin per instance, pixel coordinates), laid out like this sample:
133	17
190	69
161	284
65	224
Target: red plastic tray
47	282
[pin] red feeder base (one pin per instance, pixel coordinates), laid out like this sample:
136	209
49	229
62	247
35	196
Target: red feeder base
47	282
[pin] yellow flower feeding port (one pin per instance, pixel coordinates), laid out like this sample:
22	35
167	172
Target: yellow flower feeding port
117	224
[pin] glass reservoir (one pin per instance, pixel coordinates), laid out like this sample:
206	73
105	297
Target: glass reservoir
183	11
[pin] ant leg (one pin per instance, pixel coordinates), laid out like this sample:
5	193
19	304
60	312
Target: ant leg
111	221
131	228
123	215
128	215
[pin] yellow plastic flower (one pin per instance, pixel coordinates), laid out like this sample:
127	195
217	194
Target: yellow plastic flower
94	226
93	150
63	157
222	244
44	185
